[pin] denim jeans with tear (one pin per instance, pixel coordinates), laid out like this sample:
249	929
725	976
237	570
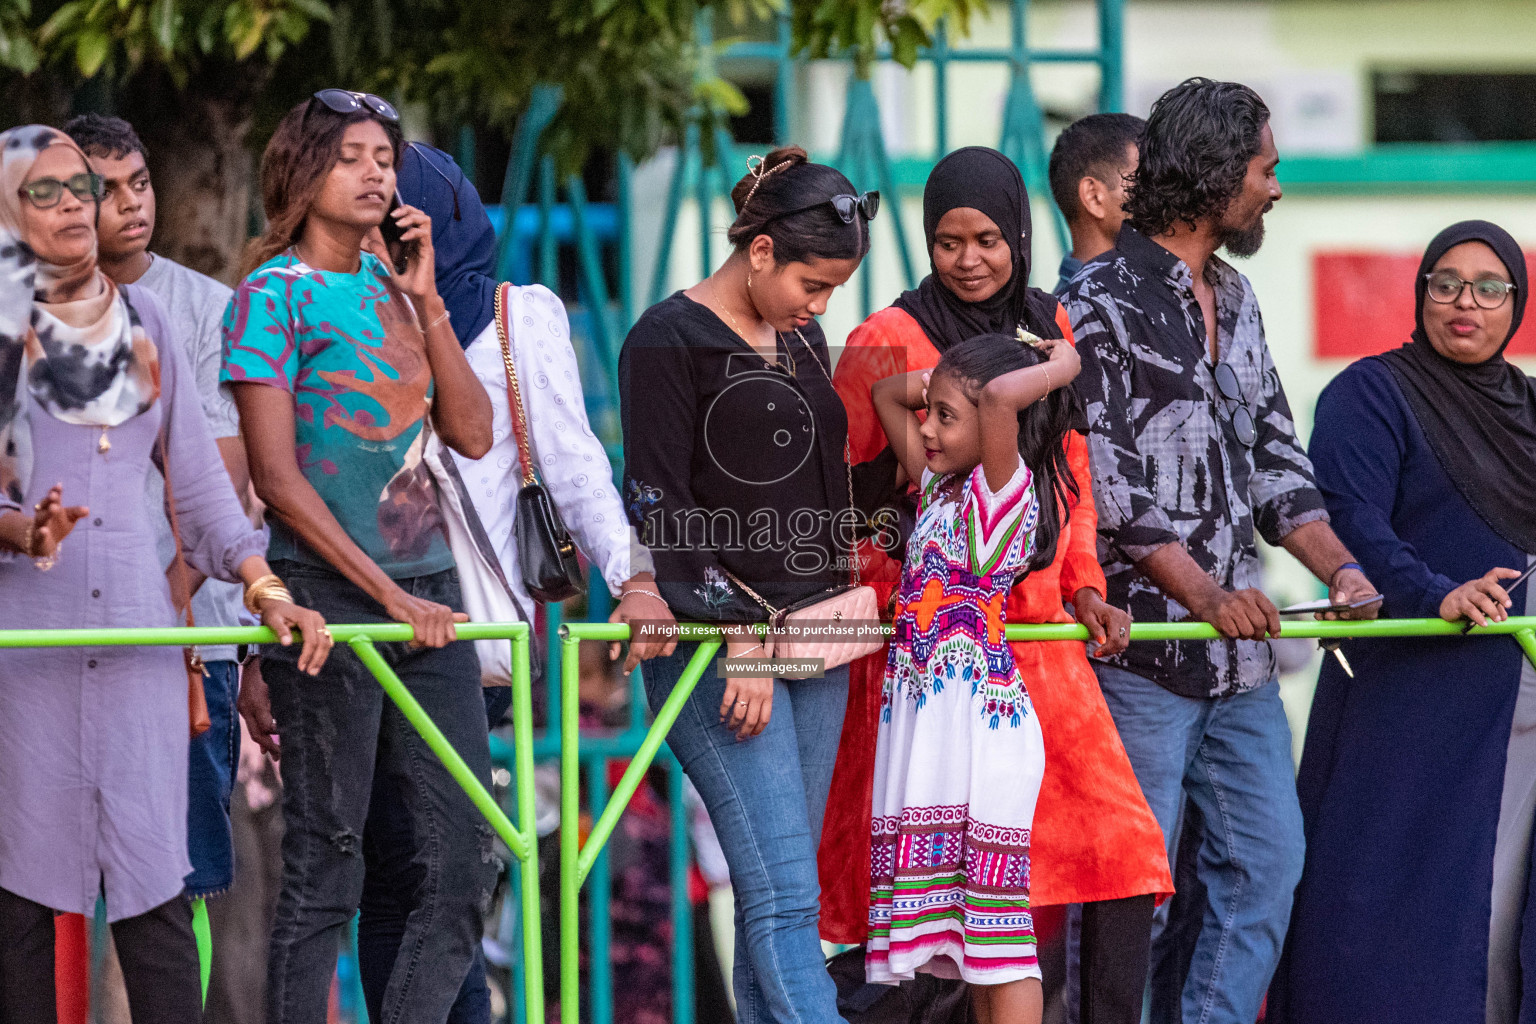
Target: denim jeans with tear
338	729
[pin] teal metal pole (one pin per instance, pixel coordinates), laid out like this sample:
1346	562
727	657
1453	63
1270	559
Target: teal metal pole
570	825
641	762
671	212
527	820
461	772
549	267
682	906
1111	54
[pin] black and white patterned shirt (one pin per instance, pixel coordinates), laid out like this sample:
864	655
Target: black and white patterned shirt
1167	463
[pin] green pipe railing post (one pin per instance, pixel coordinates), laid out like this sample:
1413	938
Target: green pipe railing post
202	934
527	820
570	826
1526	638
603	827
486	804
599	899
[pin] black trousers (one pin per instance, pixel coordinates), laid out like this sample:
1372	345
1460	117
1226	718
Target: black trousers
1116	941
157	952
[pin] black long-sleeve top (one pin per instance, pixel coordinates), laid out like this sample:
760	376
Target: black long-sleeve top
732	464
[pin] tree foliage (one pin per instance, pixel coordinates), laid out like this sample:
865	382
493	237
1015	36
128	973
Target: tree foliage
825	28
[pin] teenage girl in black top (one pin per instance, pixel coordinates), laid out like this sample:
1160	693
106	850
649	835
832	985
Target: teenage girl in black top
734	474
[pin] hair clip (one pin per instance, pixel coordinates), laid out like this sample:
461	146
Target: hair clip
1032	340
758	174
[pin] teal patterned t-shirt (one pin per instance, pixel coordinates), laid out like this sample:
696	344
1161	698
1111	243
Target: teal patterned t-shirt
349	350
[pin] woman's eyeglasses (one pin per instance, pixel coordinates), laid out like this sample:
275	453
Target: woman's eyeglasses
345	101
1488	292
46	193
866	206
1242	420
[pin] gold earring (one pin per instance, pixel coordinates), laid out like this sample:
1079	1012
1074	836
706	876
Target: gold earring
749	280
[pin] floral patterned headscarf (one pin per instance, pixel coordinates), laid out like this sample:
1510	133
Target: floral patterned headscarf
86	360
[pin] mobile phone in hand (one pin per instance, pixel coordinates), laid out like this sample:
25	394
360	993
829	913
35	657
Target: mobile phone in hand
400	252
1325	605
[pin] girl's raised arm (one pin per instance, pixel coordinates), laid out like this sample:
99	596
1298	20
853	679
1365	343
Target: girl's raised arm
1004	397
897	400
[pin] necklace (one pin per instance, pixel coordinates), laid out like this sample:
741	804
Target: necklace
102	444
715	294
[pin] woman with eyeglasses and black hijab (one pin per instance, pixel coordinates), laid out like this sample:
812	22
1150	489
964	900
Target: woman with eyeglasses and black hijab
94	388
1418	779
1093	841
341	357
734	475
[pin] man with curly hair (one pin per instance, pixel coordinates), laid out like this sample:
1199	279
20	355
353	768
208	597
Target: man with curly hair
1193	450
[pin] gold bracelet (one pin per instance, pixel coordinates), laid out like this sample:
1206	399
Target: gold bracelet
1047	380
264	587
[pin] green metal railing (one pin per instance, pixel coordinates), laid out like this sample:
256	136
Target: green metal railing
578	860
584	861
521	839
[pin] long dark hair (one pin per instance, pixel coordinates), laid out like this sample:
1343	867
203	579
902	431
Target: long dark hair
1043	429
1194	153
302	152
785	198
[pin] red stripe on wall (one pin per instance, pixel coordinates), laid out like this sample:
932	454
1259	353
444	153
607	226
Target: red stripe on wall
1363	304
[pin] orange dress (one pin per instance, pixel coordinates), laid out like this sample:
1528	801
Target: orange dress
1094	837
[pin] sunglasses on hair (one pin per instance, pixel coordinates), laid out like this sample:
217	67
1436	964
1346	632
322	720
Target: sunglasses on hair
866	205
1242	420
46	193
345	101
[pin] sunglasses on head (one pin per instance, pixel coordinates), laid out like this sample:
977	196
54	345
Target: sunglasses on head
866	206
46	193
345	101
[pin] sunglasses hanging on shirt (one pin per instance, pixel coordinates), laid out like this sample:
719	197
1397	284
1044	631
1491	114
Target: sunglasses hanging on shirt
1231	390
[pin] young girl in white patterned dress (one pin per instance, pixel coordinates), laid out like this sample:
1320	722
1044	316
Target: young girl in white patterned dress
958	758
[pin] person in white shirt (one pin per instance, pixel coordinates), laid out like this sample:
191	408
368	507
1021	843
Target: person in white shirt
575	470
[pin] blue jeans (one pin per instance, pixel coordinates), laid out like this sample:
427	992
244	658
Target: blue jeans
339	730
211	764
1232	756
765	796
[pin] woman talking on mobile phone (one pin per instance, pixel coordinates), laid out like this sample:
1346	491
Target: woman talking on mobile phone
340	360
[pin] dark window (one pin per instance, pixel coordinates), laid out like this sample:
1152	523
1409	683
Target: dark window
1414	106
756	125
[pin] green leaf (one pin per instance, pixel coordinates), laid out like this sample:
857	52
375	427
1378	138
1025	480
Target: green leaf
91	49
163	18
62	21
315	9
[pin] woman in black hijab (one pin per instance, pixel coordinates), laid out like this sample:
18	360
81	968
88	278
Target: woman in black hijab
1093	840
1418	781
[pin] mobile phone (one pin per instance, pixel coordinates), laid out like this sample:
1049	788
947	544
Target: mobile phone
1509	588
1325	605
400	251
